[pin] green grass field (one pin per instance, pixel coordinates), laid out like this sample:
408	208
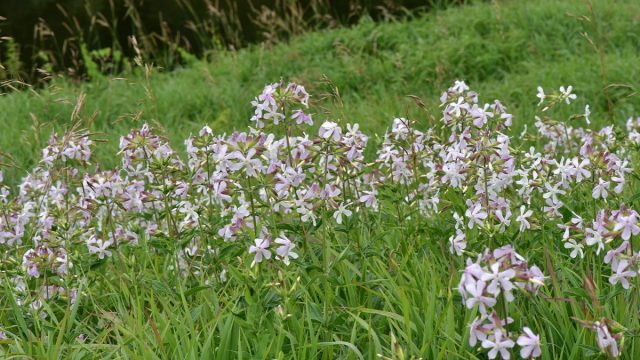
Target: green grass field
504	50
386	288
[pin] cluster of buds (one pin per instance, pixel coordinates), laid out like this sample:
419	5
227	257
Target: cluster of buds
74	146
44	259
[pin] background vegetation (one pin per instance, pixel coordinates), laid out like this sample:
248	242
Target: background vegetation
360	74
84	39
504	50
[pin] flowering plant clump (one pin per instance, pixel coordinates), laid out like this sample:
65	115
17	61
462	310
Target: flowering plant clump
496	275
279	195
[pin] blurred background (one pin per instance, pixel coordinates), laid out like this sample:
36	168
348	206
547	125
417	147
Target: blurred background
78	37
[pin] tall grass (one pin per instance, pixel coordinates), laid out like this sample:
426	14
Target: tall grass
506	49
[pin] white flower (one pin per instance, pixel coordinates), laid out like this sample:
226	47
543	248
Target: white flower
587	113
480	115
285	250
540	95
552	192
498	344
600	190
459	86
457	243
567	94
457	107
261	250
522	218
476	215
453	174
581	172
530	344
99	246
252	166
476	290
576	248
307	214
500	280
400	128
189	211
342	210
593	237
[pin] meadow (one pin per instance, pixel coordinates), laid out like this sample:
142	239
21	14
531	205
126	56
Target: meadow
461	184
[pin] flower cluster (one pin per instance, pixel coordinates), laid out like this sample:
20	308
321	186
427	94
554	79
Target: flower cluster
633	125
271	106
609	336
74	146
611	230
257	182
496	275
42	258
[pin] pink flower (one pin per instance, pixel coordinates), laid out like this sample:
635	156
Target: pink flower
301	118
605	341
477	331
369	198
628	225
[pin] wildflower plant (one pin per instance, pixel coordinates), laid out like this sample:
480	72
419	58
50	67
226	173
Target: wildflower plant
287	197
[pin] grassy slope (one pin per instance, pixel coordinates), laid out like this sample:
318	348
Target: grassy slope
374	292
503	51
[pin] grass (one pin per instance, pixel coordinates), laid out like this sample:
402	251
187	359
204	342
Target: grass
377	301
504	49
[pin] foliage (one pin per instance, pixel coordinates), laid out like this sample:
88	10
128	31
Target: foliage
505	51
58	35
465	230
